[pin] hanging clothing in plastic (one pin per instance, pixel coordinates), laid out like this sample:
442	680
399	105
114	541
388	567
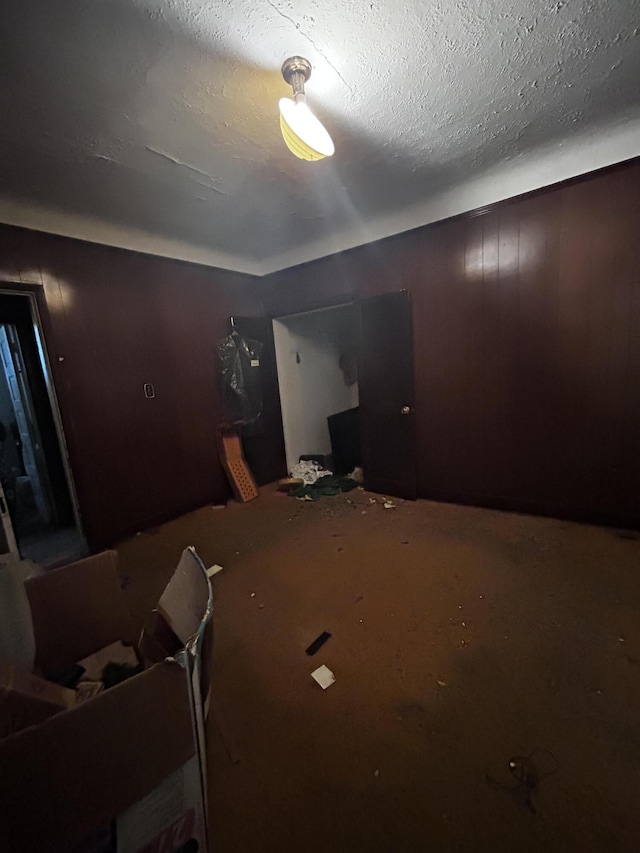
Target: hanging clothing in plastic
240	372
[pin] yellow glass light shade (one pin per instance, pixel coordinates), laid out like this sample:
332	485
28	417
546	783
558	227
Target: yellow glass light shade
304	135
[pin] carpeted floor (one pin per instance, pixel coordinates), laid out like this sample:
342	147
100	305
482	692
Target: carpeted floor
461	638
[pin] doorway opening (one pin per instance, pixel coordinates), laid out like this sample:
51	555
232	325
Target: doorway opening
37	501
317	358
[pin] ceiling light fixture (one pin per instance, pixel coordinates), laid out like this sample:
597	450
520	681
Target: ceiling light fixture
303	133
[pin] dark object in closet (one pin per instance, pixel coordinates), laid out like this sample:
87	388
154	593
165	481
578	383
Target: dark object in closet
322	459
344	431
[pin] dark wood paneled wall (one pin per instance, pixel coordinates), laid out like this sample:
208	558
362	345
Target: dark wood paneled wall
527	355
118	319
527	345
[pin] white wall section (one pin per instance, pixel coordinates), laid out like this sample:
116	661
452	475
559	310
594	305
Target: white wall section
312	384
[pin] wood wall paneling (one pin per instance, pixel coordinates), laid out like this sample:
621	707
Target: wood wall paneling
526	321
526	345
119	319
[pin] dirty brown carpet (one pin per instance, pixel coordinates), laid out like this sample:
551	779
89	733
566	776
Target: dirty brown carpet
462	639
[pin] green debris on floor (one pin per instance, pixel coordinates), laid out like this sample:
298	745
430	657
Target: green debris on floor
325	486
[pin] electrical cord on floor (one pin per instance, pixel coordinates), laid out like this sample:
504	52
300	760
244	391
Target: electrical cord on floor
527	776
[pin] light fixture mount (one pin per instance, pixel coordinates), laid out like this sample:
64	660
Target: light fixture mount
296	70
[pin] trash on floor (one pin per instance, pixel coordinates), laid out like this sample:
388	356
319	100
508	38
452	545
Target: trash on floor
213	570
527	776
323	676
389	504
309	472
318	643
326	486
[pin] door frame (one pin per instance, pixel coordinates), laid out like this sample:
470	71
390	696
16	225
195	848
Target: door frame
32	446
13	553
320	305
34	292
317	309
356	301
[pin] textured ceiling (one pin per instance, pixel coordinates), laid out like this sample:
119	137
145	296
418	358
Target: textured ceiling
160	118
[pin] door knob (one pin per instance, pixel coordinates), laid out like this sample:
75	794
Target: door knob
405	410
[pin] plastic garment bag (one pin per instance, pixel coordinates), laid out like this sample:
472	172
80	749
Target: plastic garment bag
240	373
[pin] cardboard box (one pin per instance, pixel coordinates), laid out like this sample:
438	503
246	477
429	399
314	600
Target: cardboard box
124	771
26	700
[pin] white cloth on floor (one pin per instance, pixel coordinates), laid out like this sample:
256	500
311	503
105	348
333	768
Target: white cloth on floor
309	472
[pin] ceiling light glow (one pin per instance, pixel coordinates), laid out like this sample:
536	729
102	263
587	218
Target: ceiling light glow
303	133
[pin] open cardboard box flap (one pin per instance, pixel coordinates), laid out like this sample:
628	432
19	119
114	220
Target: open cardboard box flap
76	611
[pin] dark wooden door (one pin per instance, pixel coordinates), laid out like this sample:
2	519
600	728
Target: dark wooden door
386	387
263	444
